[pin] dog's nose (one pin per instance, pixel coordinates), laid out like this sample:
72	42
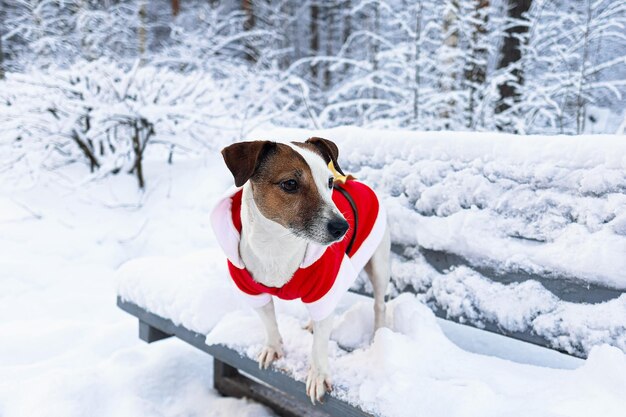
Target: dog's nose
337	228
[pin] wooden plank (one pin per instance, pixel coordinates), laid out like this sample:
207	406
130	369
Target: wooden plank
229	382
493	327
150	334
292	390
565	288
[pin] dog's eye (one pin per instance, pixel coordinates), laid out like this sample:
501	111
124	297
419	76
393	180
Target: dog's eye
331	181
290	186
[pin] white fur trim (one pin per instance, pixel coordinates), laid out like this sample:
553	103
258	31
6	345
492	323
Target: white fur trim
254	301
224	229
371	242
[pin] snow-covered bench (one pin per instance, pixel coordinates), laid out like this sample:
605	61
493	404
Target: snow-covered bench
191	299
188	298
522	236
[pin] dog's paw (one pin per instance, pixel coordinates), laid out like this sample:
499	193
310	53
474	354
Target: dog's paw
269	354
317	384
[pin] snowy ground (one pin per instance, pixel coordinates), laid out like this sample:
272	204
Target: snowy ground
66	349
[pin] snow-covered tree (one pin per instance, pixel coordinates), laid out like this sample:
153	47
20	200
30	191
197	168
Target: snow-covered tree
41	30
514	65
575	55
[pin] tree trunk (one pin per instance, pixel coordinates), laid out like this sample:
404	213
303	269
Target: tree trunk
143	131
1	50
416	63
347	27
580	100
175	7
510	53
142	29
315	39
248	25
476	73
330	19
1	58
449	78
374	46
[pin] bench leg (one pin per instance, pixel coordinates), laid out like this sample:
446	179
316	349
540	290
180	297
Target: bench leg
151	334
229	382
223	370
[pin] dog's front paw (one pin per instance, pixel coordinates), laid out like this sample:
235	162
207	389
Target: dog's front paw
317	384
269	354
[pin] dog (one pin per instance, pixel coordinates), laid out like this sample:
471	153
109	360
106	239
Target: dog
297	227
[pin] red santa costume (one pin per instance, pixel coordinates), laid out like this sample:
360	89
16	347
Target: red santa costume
326	272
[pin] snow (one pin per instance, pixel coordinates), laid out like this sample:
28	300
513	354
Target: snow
68	351
413	365
549	205
199	300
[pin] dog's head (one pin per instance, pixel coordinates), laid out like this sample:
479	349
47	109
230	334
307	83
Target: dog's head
291	184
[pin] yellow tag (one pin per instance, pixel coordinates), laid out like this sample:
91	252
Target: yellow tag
341	179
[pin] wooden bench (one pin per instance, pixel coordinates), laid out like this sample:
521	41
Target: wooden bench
239	376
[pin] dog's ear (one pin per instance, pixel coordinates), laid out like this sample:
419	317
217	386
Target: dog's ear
328	149
243	158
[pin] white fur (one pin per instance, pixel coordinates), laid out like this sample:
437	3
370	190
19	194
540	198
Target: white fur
273	342
269	250
272	255
318	379
378	270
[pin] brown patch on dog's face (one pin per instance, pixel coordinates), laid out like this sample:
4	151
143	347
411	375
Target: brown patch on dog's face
289	191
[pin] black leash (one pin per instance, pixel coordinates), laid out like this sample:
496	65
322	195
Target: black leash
356	215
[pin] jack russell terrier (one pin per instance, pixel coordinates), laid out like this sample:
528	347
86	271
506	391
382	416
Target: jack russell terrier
297	227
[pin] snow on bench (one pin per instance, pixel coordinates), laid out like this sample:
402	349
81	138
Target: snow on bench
409	367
